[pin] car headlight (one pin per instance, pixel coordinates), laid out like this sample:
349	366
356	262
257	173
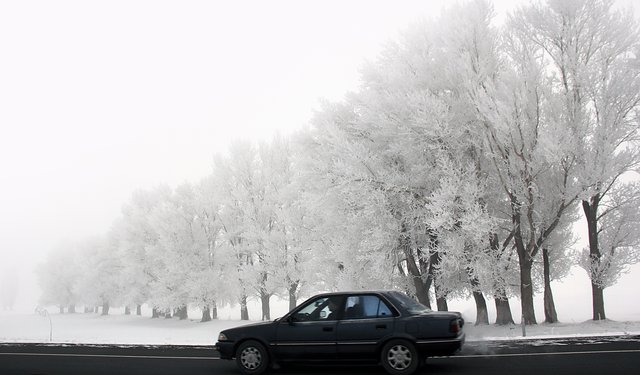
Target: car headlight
222	337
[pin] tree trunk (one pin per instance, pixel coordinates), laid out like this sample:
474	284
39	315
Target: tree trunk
422	291
526	283
503	312
293	295
526	291
503	309
590	209
167	314
441	302
105	308
482	314
72	309
550	314
525	260
266	308
127	310
206	314
139	310
244	310
421	286
598	302
214	310
182	312
434	260
155	313
61	309
441	298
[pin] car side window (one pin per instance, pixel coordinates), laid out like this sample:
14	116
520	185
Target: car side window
384	310
366	307
325	308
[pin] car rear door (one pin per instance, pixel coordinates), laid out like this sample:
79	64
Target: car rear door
366	320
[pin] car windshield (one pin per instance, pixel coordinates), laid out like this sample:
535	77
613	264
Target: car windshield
409	303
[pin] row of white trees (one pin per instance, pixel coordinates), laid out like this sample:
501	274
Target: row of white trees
233	236
457	169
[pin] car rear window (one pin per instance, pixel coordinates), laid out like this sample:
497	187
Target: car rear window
409	303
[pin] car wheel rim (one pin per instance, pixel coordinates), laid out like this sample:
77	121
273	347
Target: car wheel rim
399	357
250	358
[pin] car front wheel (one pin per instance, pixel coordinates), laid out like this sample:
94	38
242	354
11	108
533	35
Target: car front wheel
252	358
399	357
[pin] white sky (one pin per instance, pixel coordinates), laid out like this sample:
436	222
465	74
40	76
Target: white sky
99	98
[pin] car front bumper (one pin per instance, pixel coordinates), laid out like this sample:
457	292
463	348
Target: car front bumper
225	348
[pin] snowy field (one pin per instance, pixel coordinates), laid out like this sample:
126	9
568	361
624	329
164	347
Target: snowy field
117	328
572	299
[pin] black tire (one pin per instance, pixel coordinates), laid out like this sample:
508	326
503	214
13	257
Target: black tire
252	358
400	357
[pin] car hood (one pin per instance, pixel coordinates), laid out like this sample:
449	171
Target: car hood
261	329
250	326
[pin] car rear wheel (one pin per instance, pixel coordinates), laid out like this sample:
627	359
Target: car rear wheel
252	358
399	357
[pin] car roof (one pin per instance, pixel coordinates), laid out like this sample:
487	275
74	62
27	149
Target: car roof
372	291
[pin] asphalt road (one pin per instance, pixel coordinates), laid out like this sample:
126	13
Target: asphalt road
598	355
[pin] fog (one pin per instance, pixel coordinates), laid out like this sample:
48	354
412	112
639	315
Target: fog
100	98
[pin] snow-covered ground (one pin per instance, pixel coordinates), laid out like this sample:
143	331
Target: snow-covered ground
116	328
572	302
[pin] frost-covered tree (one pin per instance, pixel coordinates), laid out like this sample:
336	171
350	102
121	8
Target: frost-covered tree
183	251
593	54
299	260
58	276
618	236
465	53
99	284
527	142
285	223
397	163
248	208
136	240
207	282
262	220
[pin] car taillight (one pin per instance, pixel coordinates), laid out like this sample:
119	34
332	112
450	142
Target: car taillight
455	326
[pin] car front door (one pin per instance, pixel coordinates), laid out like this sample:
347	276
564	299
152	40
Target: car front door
366	320
310	333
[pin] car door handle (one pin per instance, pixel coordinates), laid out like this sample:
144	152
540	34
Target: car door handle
381	326
327	329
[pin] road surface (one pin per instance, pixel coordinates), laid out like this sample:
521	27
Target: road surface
596	355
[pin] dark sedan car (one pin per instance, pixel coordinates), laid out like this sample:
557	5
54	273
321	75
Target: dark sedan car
374	326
